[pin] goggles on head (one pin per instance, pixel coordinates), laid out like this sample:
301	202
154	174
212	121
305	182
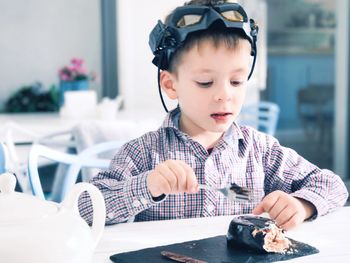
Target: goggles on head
166	38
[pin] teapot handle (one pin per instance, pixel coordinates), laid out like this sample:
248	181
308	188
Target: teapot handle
98	205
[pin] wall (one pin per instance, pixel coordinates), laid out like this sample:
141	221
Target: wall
137	75
37	37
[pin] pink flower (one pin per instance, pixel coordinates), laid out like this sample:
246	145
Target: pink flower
75	71
77	62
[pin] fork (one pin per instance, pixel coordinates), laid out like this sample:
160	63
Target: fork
233	192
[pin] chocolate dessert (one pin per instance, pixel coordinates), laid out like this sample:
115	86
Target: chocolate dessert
259	233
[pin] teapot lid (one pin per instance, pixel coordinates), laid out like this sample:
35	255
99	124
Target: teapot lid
19	207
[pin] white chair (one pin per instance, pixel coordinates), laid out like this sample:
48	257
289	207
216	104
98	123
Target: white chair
262	116
15	162
86	158
88	133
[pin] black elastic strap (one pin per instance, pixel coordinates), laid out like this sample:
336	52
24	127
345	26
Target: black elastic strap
159	88
254	59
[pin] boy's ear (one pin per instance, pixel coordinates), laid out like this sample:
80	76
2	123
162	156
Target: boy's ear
167	84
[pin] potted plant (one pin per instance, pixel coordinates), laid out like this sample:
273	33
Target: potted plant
33	98
74	77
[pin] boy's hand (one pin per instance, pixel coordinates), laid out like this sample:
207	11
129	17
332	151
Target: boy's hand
285	209
172	177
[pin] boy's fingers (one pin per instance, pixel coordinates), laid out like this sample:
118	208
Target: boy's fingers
292	222
168	175
164	186
278	209
180	174
258	209
285	215
157	184
191	179
266	204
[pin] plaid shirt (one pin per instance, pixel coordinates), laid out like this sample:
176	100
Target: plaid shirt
243	155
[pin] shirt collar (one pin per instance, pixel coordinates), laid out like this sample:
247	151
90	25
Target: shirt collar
172	119
232	133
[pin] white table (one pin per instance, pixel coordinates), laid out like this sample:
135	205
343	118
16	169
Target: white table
330	234
42	124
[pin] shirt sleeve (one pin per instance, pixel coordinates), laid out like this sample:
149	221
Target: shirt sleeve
287	171
123	185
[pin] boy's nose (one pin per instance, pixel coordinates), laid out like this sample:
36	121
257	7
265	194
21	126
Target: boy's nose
224	93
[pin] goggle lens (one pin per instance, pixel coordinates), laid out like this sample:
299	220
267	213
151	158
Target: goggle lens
192	19
233	16
188	20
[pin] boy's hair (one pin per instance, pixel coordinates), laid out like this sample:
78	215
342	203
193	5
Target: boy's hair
216	36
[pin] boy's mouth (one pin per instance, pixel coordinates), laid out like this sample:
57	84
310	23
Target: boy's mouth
221	115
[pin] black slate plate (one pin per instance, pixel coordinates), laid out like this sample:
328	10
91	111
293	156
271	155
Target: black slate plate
213	250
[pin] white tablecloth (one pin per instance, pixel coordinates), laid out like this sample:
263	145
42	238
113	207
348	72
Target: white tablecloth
330	234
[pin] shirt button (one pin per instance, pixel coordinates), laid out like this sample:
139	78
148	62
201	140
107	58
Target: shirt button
144	201
110	215
210	208
136	203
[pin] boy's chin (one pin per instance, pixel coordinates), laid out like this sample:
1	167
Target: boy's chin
220	128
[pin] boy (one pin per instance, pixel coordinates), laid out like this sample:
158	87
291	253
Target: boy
204	51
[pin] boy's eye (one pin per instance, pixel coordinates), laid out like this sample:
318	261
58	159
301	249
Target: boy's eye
205	84
236	83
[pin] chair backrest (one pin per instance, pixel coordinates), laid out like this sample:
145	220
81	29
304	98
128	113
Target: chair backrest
91	132
263	116
86	158
18	154
316	102
4	156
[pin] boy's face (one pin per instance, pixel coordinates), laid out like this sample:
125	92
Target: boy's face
209	85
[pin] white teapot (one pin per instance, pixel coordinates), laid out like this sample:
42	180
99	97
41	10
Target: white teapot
34	230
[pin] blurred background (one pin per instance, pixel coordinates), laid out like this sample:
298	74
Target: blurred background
303	68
